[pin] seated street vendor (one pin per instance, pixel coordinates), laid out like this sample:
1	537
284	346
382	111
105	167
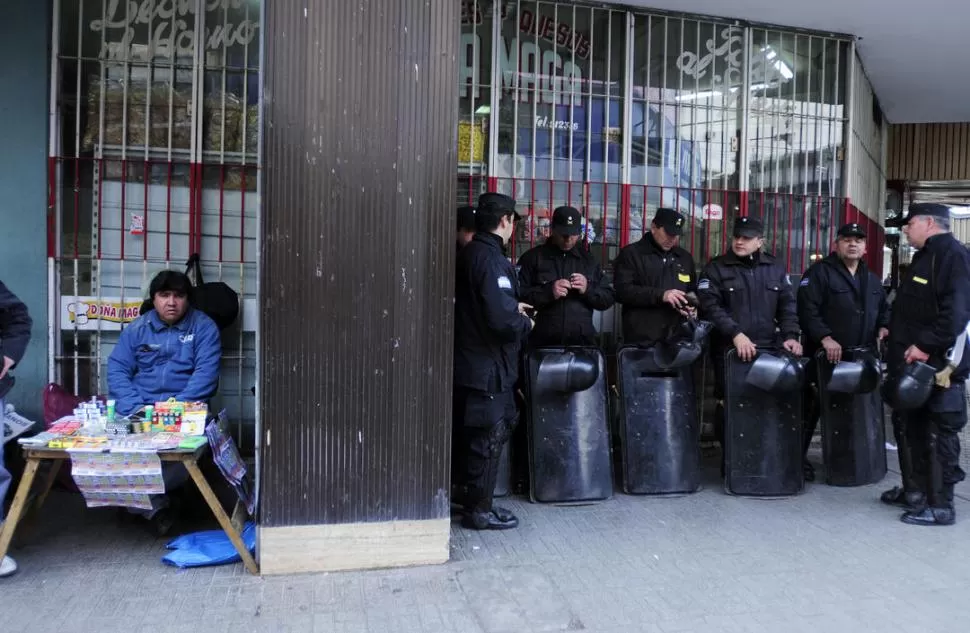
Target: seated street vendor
171	351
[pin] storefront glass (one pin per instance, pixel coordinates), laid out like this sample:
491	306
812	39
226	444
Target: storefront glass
619	113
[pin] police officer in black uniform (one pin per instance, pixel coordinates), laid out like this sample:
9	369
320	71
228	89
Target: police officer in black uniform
490	327
564	283
466	226
747	296
931	310
841	305
652	278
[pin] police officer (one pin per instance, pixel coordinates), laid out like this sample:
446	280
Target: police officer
466	226
564	283
841	305
931	310
747	296
652	278
490	327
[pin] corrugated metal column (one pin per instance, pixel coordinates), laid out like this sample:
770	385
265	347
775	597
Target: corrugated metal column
357	283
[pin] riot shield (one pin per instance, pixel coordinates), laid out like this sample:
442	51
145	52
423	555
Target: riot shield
568	430
503	482
853	430
659	427
762	435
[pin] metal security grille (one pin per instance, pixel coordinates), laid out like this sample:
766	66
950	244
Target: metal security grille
618	113
153	157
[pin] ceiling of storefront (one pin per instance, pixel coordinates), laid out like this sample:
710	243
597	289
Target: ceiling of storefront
915	53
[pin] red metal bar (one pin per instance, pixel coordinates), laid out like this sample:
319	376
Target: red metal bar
724	222
791	220
624	215
493	184
606	197
690	197
774	238
532	214
818	230
586	213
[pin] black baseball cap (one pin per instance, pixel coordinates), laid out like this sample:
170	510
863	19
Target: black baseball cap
930	209
567	221
852	230
749	226
466	218
669	220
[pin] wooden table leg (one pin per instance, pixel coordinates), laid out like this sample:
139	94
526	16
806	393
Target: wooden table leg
17	508
33	509
224	522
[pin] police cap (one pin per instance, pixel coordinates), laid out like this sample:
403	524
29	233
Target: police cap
669	220
852	229
749	226
567	221
929	209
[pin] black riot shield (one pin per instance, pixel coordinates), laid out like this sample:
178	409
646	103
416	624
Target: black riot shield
659	427
853	430
568	430
762	434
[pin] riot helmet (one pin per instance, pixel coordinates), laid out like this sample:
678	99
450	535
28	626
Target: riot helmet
858	376
569	371
911	387
781	374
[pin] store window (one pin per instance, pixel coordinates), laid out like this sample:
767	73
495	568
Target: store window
796	137
154	158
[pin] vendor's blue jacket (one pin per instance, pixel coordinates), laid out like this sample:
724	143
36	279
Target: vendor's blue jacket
154	361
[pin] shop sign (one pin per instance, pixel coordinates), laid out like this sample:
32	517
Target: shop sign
724	52
171	31
712	212
91	313
541	57
105	314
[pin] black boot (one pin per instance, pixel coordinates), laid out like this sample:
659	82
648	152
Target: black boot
899	496
930	516
939	509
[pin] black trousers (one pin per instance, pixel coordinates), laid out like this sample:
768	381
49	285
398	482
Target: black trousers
482	423
928	444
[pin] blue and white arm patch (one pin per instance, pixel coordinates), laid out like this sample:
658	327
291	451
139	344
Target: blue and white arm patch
704	284
504	283
804	282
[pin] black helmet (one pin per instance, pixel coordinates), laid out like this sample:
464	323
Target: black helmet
910	388
856	376
569	371
684	347
776	374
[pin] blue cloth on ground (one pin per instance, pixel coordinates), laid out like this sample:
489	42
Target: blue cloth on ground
208	548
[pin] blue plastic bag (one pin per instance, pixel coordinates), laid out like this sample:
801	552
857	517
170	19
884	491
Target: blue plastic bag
208	548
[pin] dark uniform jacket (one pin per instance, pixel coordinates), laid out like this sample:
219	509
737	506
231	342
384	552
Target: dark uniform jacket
642	273
15	324
566	321
752	296
833	303
488	327
932	305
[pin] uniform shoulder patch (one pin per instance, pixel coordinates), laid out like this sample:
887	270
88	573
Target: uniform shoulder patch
504	283
703	284
804	282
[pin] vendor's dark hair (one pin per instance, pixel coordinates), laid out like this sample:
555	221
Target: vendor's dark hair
171	281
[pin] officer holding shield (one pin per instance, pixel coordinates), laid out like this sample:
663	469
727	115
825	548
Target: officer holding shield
748	297
841	305
490	327
928	325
